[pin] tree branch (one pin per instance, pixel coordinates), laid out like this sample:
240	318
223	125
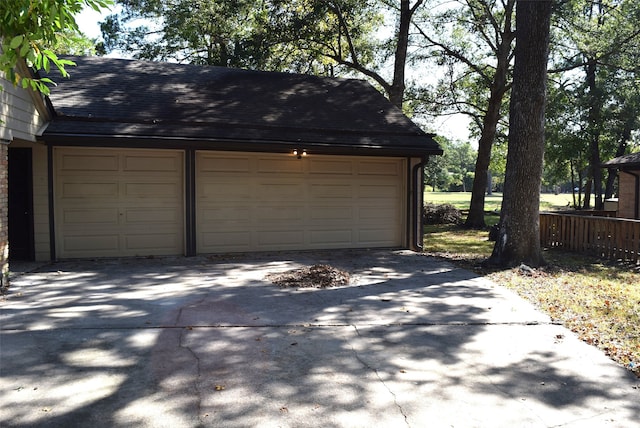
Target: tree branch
457	55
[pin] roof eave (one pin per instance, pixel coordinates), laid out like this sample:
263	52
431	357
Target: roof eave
248	145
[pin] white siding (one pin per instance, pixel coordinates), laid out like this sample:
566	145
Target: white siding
19	116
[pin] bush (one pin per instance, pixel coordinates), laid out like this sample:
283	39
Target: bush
441	214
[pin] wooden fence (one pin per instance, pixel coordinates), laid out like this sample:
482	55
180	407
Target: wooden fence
611	238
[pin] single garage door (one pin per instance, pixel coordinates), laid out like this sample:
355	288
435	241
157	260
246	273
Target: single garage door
112	202
253	202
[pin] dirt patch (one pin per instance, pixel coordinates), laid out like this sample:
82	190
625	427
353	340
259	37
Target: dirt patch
316	276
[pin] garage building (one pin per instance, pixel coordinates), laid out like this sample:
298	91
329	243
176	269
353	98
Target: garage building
145	158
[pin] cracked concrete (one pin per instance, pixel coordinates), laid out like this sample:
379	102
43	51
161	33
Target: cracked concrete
206	341
374	370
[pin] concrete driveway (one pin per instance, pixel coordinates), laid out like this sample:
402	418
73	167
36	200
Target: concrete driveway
207	341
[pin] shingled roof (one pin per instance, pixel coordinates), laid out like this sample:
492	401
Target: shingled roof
630	161
175	105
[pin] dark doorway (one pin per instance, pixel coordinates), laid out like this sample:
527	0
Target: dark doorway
21	245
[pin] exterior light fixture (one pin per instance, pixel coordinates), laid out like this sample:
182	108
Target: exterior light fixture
299	154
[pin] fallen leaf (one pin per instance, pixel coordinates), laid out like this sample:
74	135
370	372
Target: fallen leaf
219	387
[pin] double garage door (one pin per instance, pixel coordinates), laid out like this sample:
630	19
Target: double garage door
112	202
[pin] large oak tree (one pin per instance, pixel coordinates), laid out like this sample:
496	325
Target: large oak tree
519	235
474	39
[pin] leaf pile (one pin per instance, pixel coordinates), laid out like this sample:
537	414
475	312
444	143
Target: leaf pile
316	276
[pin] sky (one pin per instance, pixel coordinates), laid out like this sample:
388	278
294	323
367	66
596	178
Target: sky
453	127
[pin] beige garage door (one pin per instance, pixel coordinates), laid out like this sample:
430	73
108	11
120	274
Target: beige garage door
271	202
112	202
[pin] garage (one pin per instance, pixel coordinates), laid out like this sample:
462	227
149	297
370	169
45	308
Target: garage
254	202
217	160
118	202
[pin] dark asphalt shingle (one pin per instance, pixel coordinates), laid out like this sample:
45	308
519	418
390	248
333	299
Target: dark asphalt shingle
630	161
131	99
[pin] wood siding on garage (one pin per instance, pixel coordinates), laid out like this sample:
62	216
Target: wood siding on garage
114	202
627	199
253	202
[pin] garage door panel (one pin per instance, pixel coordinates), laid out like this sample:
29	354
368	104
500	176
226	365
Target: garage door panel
230	240
332	167
159	243
320	213
223	164
332	238
280	165
135	209
280	191
331	190
88	163
147	163
280	239
224	190
152	190
105	216
377	236
377	213
378	192
84	190
229	214
281	214
77	245
379	168
152	215
288	203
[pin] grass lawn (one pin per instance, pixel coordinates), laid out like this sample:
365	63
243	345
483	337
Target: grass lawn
598	300
548	201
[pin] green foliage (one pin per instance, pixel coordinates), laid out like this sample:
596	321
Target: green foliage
74	43
469	42
594	102
548	201
454	169
301	35
322	37
30	29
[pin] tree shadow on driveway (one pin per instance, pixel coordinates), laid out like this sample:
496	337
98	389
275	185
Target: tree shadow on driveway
208	342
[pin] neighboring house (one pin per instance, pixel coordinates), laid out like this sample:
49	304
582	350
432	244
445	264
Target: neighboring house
23	114
144	158
628	184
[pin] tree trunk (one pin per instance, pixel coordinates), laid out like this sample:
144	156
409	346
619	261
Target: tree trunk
576	203
396	91
594	136
586	203
519	233
475	219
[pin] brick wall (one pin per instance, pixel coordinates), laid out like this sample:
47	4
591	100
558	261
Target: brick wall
4	215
